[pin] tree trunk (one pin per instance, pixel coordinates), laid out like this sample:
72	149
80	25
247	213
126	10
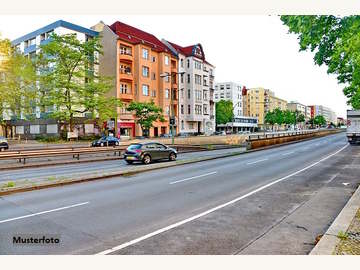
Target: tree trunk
71	122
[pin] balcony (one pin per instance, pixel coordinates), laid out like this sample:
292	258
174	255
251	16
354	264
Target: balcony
127	96
126	75
126	57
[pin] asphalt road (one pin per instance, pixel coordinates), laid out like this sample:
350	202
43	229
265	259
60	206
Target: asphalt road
274	201
78	169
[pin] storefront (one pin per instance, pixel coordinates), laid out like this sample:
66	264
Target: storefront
126	130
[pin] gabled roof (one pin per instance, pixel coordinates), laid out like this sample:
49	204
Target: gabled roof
136	36
190	51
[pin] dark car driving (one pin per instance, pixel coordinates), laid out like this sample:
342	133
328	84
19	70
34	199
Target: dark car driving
147	152
106	141
3	144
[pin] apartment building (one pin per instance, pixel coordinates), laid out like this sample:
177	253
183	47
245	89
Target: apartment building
230	91
329	115
136	59
258	101
29	45
233	92
196	89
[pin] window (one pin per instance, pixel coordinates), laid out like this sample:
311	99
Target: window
145	71
48	34
167	110
205	95
198	109
182	78
205	109
153	93
188	63
145	53
216	96
182	124
32	41
182	63
153	75
153	59
228	86
182	109
125	50
221	87
145	90
197	65
166	59
189	109
182	93
167	79
167	93
188	78
197	95
191	125
189	94
124	89
197	79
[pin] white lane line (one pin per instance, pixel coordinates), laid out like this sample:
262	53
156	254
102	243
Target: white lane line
288	153
174	225
257	161
190	178
44	212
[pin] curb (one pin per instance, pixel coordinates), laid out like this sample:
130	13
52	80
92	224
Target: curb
8	191
329	240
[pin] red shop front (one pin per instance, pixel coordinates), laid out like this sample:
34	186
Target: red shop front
126	129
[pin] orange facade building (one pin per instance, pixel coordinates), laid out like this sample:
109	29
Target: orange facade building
136	59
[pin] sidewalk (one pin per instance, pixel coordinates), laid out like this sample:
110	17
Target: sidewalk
343	236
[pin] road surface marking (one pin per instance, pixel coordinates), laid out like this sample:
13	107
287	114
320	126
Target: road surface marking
345	184
288	153
44	212
182	222
332	178
257	161
190	178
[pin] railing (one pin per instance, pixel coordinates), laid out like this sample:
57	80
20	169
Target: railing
22	155
268	135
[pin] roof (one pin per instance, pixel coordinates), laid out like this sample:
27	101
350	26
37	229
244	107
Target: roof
59	23
190	51
136	36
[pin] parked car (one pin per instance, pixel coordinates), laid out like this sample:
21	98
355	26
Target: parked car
216	133
149	151
4	145
106	141
165	135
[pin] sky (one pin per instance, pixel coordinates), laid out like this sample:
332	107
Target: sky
255	51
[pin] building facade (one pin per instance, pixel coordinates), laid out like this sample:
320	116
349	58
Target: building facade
258	101
196	89
29	45
138	61
230	91
329	115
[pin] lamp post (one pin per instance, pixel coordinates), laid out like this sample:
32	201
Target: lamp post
171	116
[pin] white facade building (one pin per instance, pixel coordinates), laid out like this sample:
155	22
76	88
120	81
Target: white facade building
230	91
196	90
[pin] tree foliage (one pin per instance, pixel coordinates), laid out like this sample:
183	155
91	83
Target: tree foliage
69	83
224	112
146	114
319	120
17	82
336	43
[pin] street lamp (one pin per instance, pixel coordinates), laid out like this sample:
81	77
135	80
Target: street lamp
171	116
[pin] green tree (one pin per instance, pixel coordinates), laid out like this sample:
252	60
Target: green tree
319	120
17	82
301	118
270	119
224	112
312	122
146	114
336	43
289	117
279	116
69	83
